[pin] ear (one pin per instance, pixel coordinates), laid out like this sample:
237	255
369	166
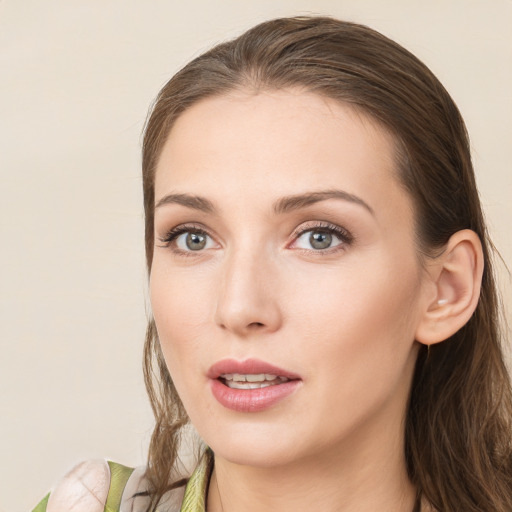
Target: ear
455	281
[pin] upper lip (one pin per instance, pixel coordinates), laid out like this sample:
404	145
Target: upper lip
248	367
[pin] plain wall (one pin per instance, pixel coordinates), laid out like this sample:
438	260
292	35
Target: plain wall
76	81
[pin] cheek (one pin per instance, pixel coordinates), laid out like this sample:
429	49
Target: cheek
180	312
176	305
363	325
357	347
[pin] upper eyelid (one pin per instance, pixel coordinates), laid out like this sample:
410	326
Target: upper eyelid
303	227
183	228
319	225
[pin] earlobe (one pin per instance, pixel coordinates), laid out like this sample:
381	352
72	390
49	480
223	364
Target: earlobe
457	276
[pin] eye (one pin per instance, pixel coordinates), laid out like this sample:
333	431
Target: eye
192	241
317	240
321	238
188	239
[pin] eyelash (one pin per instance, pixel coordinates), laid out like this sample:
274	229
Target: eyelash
345	237
342	234
174	233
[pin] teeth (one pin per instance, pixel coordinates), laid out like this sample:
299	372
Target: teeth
251	381
250	377
255	378
248	385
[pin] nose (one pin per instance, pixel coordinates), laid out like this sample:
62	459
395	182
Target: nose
248	298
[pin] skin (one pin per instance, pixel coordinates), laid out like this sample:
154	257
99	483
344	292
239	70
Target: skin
344	318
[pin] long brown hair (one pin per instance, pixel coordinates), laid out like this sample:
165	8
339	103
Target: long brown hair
457	436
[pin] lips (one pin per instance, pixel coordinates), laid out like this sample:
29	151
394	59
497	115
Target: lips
248	367
251	385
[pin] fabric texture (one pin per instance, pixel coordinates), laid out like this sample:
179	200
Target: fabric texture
197	486
126	481
119	476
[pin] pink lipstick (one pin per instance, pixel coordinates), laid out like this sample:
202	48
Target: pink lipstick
250	385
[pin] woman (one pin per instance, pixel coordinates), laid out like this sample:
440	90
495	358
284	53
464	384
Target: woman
324	307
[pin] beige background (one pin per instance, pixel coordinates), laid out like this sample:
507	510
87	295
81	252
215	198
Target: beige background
76	80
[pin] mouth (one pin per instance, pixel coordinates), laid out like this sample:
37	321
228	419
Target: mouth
251	385
234	373
251	380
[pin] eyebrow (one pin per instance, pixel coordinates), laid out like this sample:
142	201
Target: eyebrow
295	202
190	201
283	205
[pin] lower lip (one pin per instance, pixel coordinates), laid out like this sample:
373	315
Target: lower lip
252	400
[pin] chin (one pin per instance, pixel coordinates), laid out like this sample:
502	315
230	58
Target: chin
245	445
257	455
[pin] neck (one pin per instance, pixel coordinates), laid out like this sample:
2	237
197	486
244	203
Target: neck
366	473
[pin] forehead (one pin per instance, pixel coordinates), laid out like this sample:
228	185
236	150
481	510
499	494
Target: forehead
276	143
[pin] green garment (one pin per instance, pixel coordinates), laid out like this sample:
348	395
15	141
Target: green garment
41	507
119	475
193	500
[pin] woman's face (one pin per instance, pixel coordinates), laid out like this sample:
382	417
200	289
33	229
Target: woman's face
285	285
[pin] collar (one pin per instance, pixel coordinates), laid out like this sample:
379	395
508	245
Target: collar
194	499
